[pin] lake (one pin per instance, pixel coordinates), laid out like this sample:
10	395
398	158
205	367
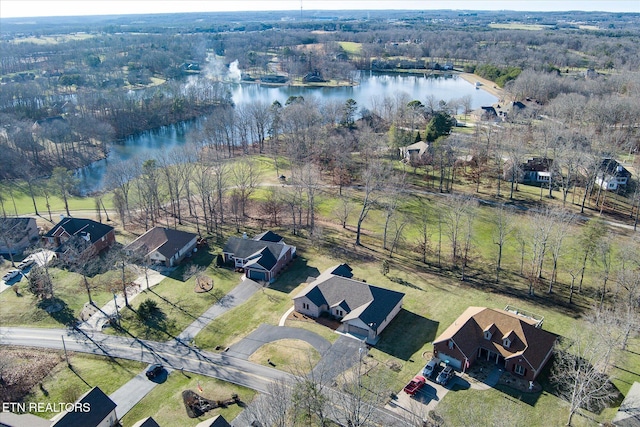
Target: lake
372	86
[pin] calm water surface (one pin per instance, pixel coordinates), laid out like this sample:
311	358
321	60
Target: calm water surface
372	86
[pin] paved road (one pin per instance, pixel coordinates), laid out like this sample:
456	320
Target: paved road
345	352
269	333
41	258
127	396
172	354
234	298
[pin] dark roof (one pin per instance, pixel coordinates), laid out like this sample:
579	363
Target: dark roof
264	258
537	164
343	270
147	422
369	303
81	227
218	421
527	340
269	236
244	248
164	240
614	168
100	405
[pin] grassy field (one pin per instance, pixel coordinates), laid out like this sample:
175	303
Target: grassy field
164	403
177	300
352	48
64	384
288	355
24	309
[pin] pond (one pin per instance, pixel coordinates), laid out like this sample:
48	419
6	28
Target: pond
372	86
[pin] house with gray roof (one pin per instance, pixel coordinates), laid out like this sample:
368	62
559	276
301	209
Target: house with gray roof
164	245
261	258
93	409
363	310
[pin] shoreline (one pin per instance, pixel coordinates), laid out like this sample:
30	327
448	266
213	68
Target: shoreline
487	85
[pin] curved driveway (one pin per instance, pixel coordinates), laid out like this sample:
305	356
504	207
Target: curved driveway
269	333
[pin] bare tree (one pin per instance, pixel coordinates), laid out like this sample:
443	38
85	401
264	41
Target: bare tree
245	177
372	178
456	218
504	223
580	370
562	222
343	209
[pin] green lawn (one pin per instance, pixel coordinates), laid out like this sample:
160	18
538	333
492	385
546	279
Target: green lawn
177	301
64	384
24	309
164	403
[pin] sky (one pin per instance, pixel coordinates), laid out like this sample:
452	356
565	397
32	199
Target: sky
31	8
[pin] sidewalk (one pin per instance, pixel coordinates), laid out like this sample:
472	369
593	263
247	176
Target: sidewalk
235	297
101	317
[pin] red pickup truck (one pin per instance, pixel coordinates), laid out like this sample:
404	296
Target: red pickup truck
414	385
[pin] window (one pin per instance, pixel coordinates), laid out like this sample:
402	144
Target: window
487	335
520	370
506	342
339	313
451	344
305	306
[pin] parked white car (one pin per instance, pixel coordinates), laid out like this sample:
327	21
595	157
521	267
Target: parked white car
11	274
27	262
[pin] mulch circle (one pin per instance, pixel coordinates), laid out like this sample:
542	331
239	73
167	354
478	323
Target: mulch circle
203	284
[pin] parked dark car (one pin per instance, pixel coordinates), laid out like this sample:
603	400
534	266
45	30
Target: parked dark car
431	368
153	371
446	375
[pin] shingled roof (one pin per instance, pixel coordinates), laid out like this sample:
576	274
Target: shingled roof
101	405
370	304
87	228
164	240
527	340
245	248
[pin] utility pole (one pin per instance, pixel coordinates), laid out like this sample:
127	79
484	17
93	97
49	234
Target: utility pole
66	356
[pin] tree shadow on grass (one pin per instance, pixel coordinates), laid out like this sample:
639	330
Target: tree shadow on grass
58	310
406	334
296	273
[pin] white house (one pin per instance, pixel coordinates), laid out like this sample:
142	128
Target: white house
363	310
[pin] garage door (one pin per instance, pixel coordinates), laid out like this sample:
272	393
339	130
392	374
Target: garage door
455	363
358	331
256	275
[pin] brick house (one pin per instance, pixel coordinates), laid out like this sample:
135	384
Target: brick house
505	337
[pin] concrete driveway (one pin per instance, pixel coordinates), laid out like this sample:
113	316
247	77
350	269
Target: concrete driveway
41	258
425	400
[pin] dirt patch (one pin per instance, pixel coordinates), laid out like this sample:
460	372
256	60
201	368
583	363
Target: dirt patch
324	321
22	369
197	405
203	284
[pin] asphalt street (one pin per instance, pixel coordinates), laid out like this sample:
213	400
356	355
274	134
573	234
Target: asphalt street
174	355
